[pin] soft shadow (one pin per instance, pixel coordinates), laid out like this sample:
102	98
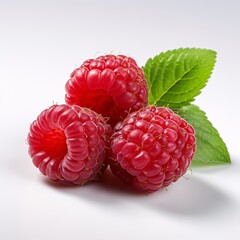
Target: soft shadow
108	190
113	185
189	196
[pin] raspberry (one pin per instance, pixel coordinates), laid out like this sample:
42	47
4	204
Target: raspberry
151	148
110	85
68	144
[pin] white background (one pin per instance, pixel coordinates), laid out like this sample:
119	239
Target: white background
41	42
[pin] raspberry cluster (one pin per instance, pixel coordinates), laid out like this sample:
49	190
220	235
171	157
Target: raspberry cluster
72	143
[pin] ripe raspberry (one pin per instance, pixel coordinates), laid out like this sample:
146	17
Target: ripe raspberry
67	144
151	148
110	85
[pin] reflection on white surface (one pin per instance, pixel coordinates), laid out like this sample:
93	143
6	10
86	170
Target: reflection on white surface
189	196
47	209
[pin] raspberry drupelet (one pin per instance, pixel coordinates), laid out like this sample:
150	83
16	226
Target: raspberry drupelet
110	85
151	148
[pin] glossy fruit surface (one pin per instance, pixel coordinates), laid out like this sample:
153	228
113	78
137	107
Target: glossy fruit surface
68	143
110	85
151	148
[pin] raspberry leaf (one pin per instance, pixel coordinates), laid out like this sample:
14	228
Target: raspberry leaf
177	76
211	149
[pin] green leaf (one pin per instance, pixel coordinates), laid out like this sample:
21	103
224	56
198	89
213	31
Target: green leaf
176	77
211	150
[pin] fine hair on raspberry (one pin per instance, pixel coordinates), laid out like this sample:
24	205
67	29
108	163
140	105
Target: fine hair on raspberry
68	144
151	148
110	85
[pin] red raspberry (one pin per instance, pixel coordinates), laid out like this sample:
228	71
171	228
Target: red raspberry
67	144
110	85
151	148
